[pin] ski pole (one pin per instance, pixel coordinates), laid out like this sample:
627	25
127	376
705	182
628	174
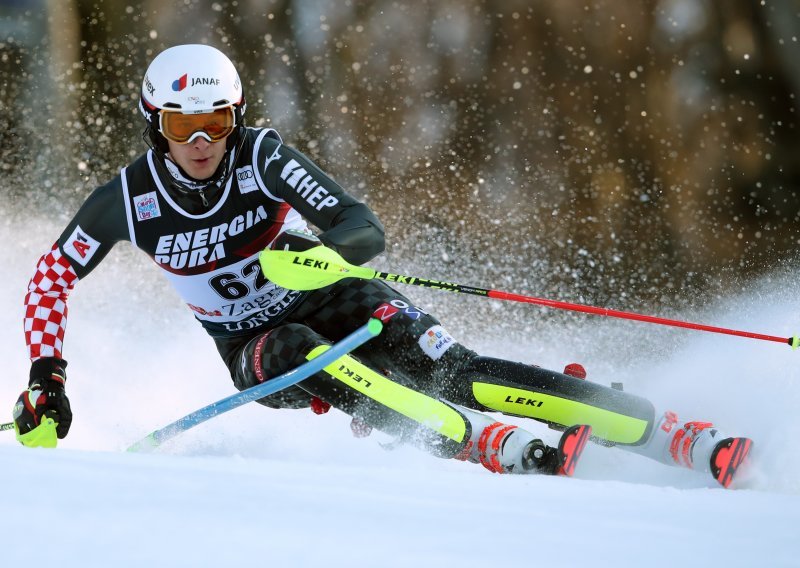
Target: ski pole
7	426
357	338
322	266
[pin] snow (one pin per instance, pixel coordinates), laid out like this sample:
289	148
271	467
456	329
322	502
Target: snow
117	509
288	488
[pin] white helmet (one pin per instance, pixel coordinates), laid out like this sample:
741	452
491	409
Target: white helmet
190	79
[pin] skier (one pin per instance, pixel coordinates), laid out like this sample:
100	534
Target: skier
209	195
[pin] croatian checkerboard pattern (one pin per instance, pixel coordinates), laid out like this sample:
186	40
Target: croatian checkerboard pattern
46	305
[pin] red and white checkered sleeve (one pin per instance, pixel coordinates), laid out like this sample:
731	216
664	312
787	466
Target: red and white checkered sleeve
46	305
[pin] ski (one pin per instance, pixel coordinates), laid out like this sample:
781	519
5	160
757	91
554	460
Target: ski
570	448
726	458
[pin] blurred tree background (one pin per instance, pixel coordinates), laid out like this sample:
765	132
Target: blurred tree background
596	150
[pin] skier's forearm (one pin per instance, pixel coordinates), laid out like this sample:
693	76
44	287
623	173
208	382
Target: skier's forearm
357	235
46	305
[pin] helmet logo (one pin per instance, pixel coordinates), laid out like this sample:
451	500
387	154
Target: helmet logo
205	81
180	83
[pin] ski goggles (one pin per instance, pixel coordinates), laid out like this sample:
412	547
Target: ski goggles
183	128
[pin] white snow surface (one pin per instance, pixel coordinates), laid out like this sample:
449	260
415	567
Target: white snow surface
289	488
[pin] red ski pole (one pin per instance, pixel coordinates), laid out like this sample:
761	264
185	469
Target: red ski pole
792	341
321	266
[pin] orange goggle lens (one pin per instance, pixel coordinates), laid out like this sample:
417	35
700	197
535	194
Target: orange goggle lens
181	128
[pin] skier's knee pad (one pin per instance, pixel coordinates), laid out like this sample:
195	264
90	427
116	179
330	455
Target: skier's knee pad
280	350
274	353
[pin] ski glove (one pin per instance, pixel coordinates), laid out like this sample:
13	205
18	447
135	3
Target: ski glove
295	241
45	398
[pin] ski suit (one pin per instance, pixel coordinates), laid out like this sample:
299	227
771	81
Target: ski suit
415	382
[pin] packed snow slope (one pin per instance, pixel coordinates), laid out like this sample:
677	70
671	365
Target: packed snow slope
288	488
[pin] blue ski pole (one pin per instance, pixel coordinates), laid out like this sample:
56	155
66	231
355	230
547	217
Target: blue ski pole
346	345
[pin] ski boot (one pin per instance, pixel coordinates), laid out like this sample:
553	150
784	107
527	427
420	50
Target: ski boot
505	448
699	446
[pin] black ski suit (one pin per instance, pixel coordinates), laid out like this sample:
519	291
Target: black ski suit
208	248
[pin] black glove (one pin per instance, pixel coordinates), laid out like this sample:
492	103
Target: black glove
296	241
45	397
